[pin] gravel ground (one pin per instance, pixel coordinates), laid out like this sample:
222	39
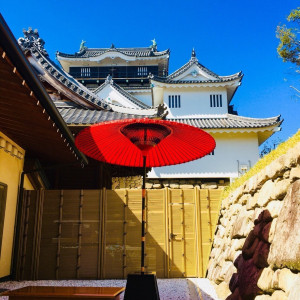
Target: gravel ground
169	289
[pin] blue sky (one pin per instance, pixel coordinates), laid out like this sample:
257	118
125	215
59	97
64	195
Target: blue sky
228	36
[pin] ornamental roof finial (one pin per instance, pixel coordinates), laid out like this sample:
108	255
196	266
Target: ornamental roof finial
193	53
82	46
109	79
154	45
112	46
31	40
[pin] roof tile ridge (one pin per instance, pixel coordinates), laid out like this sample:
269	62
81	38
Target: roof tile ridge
67	76
238	117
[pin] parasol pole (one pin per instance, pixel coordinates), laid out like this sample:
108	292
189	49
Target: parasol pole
143	218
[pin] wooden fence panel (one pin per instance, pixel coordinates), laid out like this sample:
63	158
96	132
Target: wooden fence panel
114	221
89	234
155	232
49	236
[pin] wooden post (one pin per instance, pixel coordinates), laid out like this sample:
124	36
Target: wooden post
79	235
125	234
167	232
37	234
22	200
104	199
59	234
100	216
143	219
25	234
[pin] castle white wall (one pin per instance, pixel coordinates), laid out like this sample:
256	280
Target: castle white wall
233	151
112	96
195	101
144	97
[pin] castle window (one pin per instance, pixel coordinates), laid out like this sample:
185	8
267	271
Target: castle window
3	192
142	71
216	100
85	72
174	101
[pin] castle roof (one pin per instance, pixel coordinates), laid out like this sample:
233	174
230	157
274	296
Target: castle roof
192	65
133	52
79	116
33	43
128	96
228	121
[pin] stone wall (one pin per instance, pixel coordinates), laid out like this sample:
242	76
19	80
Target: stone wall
256	249
135	182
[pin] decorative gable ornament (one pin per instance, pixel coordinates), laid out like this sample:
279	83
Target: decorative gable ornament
32	39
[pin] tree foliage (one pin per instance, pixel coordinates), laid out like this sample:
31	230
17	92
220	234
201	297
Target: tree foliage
289	46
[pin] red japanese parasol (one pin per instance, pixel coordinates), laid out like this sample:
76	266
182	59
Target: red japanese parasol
144	143
126	142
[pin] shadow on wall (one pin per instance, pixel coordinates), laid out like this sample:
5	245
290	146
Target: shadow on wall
75	234
252	261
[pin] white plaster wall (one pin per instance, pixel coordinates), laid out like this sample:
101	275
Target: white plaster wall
230	148
195	101
144	97
112	96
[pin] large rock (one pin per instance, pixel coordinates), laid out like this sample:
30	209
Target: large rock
285	249
248	278
295	290
222	290
265	194
286	279
274	208
279	295
295	173
265	280
280	189
243	224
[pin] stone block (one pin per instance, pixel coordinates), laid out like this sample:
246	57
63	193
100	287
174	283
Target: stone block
148	185
252	202
286	174
263	297
257	212
157	186
260	256
287	232
234	281
244	199
174	186
280	189
250	245
209	185
291	157
294	290
264	195
274	208
286	279
186	186
279	295
276	168
238	244
272	230
248	277
295	173
227	268
243	224
222	290
265	280
236	255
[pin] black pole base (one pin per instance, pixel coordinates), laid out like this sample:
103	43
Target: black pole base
142	287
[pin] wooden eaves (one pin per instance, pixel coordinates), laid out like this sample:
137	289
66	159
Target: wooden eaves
28	115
